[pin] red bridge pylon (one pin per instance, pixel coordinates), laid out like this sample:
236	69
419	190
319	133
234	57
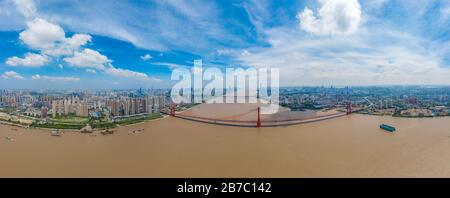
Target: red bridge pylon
349	108
173	108
258	124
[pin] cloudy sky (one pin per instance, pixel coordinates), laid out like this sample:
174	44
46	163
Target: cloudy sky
131	44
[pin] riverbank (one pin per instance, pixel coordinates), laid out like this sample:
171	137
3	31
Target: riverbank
96	126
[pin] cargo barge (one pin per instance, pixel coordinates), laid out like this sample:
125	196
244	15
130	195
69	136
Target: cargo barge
387	127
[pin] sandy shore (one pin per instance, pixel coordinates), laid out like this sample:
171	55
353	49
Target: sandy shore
351	146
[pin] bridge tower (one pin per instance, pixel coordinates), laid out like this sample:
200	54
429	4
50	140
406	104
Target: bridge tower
173	108
258	124
349	107
348	104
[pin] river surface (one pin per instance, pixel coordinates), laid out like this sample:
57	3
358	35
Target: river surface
349	146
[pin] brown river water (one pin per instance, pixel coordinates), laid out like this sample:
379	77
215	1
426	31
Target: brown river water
349	146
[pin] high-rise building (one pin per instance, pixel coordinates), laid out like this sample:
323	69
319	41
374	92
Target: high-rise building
54	108
82	109
70	105
44	112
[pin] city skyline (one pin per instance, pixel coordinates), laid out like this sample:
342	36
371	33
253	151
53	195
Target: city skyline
65	45
108	108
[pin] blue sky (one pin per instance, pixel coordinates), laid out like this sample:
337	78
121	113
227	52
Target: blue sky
131	44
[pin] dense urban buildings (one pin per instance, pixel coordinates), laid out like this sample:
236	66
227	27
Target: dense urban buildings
125	106
81	107
71	105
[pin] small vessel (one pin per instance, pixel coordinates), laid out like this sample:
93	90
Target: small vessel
135	131
55	132
9	138
387	128
107	132
86	129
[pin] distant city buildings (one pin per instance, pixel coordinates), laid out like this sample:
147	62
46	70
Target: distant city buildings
407	101
107	105
71	105
102	107
131	106
115	106
44	112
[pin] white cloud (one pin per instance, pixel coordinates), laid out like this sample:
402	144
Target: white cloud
397	58
245	53
444	13
88	58
54	78
68	45
378	51
161	29
50	38
123	73
36	77
170	65
12	74
91	71
232	52
30	60
376	4
92	59
335	17
26	7
78	40
41	34
226	52
146	57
